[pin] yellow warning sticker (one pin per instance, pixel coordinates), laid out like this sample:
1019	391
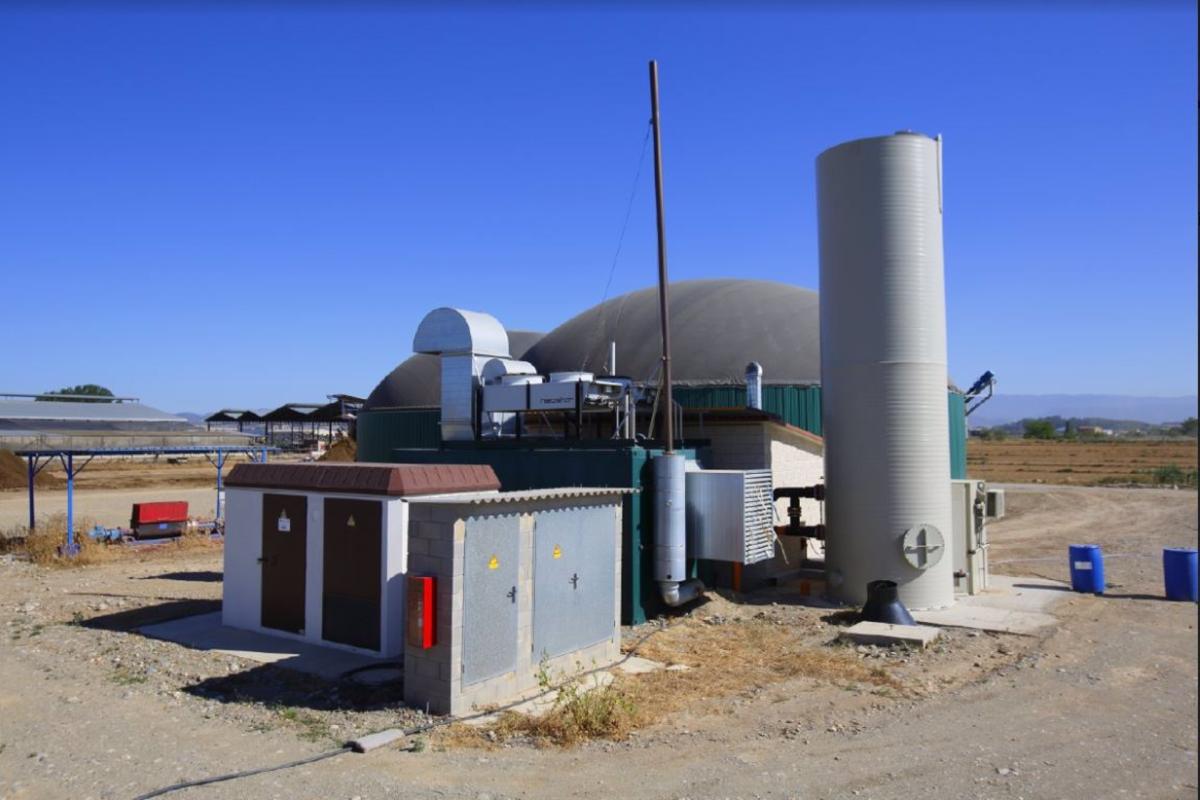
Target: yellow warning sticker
557	551
493	563
350	522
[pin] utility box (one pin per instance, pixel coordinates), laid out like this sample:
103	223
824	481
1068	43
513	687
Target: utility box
525	581
995	503
730	515
319	551
969	499
163	518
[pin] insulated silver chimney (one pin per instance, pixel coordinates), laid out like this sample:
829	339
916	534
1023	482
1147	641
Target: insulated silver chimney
754	379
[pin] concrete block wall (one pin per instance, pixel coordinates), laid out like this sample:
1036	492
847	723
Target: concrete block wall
437	542
734	446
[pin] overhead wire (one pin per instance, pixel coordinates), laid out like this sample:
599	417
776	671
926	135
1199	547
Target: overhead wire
612	268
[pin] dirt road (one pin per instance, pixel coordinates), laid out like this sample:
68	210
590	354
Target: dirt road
1104	706
103	506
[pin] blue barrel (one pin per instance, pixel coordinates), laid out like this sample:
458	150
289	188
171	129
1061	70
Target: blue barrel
1179	573
1087	568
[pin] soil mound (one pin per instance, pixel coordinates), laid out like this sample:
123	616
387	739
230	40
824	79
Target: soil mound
341	450
14	474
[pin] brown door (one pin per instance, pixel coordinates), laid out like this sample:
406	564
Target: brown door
353	572
284	541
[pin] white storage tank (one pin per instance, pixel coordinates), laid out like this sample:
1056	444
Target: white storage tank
883	369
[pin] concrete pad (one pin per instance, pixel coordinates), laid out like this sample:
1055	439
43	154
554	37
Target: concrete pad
636	665
885	634
205	632
1023	594
986	618
1010	605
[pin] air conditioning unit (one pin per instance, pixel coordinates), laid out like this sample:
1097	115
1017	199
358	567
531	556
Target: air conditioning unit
730	515
969	507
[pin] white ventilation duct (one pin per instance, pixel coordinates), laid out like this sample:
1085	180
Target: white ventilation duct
466	341
883	369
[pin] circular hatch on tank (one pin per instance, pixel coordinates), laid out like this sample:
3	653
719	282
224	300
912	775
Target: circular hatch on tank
923	546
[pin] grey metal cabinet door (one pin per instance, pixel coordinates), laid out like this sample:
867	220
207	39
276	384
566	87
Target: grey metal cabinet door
490	585
574	579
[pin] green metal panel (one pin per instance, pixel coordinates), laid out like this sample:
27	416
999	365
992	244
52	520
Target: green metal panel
538	467
801	406
958	436
795	405
381	432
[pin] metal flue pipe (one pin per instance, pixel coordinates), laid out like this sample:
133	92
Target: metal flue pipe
670	524
663	300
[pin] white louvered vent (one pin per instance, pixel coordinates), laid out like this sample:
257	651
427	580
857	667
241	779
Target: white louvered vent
730	515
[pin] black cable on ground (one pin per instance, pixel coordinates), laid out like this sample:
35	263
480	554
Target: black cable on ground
424	728
244	773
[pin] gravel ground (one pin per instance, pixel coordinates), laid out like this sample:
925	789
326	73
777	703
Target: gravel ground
1103	706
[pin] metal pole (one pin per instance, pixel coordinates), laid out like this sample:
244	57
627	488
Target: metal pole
663	302
70	504
32	477
220	468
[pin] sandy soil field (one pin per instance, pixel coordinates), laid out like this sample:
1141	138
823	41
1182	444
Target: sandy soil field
107	488
1078	463
110	507
1103	706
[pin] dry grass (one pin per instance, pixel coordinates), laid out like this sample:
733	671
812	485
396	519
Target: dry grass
729	659
721	660
45	545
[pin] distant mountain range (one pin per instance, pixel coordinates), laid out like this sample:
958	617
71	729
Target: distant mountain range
1005	408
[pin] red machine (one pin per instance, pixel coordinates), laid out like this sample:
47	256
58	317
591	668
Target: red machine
421	619
166	518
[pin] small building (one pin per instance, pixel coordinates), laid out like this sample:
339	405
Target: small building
318	552
476	590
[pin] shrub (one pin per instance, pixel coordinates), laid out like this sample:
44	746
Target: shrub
1039	429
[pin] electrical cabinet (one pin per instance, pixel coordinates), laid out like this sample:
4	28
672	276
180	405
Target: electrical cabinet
969	501
574	589
490	599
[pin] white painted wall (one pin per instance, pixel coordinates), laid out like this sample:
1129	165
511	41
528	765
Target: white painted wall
395	567
241	605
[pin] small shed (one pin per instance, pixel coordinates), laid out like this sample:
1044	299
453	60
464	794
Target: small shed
319	551
522	584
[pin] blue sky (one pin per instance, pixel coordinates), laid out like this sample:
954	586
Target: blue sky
219	207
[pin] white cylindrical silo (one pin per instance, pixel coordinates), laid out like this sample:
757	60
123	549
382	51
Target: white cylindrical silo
883	369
